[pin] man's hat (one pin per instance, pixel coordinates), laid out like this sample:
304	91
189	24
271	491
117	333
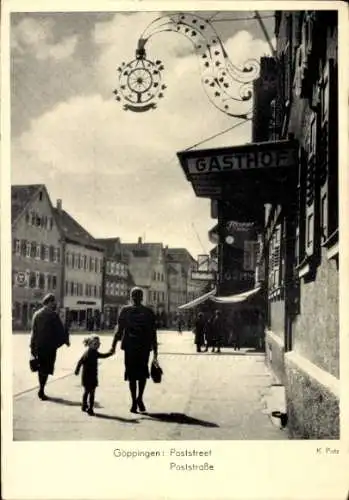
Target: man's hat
48	298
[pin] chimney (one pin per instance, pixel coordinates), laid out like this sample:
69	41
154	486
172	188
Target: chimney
59	205
139	240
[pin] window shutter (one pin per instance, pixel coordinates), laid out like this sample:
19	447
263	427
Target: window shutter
328	150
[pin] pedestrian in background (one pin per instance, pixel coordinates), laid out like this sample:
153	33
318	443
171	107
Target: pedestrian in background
89	377
217	331
136	330
179	323
199	331
48	334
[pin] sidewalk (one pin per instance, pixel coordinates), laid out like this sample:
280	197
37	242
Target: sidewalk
202	396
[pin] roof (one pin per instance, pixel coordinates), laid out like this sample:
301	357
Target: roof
21	196
113	248
144	249
73	231
180	255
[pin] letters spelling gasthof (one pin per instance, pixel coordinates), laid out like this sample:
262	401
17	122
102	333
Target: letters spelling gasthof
242	161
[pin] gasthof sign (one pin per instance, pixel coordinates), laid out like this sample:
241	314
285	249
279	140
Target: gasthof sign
271	158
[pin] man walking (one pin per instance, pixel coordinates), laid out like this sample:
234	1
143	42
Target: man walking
47	335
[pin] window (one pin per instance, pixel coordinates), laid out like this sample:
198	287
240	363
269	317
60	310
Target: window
42	281
85	262
27	218
71	288
49	281
33	218
32	280
56	255
40	196
28	249
75	288
37	279
251	249
17	247
107	288
108	267
38	251
328	151
311	185
94	291
50	223
54	282
67	288
86	290
46	253
274	259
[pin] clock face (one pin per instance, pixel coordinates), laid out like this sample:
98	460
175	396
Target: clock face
229	239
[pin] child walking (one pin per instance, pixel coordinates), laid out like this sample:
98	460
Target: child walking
89	378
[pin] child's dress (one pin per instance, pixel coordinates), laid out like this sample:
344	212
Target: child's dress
89	364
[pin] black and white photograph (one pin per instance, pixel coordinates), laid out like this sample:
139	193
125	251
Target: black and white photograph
175	198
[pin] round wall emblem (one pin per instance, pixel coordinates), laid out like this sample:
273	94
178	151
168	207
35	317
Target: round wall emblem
21	279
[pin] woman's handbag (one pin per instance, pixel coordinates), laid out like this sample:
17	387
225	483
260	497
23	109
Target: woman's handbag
34	364
156	372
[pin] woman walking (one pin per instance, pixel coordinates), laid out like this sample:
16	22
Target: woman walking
136	330
47	336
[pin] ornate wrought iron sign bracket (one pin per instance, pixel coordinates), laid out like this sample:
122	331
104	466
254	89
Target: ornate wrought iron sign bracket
228	86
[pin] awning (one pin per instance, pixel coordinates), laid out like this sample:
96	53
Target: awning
198	300
233	299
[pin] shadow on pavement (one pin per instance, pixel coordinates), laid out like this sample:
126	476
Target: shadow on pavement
68	402
208	353
119	419
180	418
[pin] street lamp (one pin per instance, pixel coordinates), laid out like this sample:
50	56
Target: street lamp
228	86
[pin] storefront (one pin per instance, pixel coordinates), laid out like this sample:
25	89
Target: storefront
240	181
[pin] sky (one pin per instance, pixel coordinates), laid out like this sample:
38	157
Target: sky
116	171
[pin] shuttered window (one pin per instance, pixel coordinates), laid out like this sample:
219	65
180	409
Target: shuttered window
328	151
310	194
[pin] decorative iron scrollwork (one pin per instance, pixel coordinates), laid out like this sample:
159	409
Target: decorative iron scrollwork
228	86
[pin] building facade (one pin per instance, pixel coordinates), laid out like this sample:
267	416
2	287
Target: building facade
147	266
117	281
81	275
302	236
286	183
36	252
